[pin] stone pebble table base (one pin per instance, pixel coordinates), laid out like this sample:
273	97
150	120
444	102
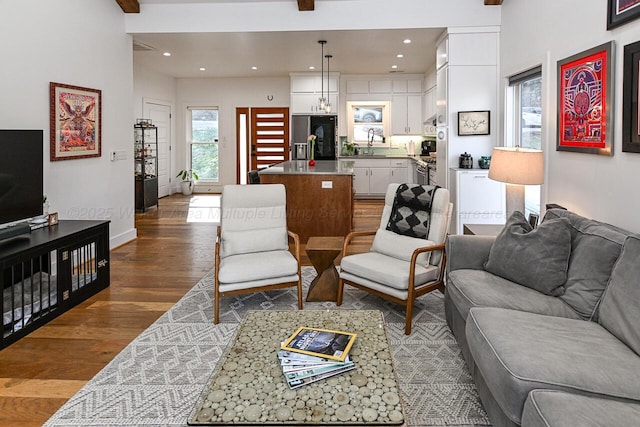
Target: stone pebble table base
248	387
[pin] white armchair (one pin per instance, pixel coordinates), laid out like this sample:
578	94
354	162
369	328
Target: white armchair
398	267
252	246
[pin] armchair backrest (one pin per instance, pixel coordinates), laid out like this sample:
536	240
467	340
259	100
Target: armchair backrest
440	217
253	219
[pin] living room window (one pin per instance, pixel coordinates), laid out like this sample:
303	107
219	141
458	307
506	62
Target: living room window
524	122
203	142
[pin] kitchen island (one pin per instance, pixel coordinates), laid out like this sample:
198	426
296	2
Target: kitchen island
319	197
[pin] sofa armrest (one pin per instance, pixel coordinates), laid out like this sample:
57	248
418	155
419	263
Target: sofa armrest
468	251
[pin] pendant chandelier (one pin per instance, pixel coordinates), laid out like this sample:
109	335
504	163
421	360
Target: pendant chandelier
327	105
322	101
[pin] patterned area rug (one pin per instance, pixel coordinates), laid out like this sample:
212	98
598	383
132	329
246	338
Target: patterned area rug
157	379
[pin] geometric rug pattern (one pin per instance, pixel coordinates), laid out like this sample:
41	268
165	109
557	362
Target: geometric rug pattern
157	379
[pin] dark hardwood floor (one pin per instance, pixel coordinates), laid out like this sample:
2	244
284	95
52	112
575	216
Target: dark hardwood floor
39	373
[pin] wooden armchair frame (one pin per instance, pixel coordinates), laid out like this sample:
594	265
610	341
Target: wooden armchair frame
413	291
217	294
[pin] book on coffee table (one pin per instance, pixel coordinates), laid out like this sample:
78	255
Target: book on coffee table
323	343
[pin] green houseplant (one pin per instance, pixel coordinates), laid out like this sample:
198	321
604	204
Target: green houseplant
188	178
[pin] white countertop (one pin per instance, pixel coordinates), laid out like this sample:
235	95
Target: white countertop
301	167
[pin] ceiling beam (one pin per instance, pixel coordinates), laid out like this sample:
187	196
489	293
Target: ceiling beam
129	6
492	2
305	5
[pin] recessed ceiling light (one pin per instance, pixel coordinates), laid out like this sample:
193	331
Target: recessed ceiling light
167	54
399	55
202	69
254	68
394	66
312	67
407	41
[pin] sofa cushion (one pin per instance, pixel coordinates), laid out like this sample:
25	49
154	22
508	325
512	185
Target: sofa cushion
545	408
516	352
595	247
478	288
619	310
536	258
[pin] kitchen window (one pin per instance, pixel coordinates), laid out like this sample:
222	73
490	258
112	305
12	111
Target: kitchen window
366	119
524	122
203	142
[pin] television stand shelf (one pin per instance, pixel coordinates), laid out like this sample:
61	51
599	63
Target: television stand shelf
47	272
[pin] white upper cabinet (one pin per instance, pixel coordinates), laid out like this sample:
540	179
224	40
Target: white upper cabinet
442	53
313	84
406	115
380	86
306	90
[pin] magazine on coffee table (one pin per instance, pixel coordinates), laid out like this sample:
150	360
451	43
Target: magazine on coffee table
323	343
299	382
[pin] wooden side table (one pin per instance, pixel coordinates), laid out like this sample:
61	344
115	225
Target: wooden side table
483	229
322	252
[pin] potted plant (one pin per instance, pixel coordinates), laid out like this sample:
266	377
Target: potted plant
189	178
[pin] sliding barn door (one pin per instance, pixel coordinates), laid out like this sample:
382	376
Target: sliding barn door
269	136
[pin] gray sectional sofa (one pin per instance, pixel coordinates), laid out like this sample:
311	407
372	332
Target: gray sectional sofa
549	320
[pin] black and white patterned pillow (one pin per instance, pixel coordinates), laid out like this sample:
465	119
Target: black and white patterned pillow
411	210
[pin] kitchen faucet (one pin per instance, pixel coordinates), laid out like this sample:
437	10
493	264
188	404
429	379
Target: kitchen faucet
370	135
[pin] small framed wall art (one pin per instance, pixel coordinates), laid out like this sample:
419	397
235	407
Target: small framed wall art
473	123
631	99
621	11
585	101
76	122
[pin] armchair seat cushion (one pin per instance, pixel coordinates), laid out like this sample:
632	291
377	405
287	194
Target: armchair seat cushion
516	352
386	270
258	266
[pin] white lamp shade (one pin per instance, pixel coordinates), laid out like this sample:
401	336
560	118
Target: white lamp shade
521	166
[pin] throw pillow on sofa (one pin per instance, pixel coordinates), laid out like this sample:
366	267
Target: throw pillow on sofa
537	259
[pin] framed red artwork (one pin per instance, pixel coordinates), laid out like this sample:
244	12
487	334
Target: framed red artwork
76	122
585	100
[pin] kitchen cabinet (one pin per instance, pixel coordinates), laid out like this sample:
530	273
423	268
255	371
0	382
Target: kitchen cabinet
373	176
442	96
306	90
313	84
308	103
406	115
476	199
429	104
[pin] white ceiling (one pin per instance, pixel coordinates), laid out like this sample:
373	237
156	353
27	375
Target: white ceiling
279	53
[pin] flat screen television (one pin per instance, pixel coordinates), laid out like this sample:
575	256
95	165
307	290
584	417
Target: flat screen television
21	175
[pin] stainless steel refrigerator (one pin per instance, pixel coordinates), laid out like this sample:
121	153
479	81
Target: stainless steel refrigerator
325	128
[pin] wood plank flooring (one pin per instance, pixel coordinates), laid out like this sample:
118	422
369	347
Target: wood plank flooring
40	372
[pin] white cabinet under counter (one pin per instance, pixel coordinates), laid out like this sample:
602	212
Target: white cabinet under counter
476	198
372	176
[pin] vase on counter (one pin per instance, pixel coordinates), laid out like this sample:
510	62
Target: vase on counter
312	138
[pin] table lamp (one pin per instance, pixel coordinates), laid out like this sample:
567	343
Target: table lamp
516	167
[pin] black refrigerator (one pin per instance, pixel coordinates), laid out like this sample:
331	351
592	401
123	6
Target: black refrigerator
323	127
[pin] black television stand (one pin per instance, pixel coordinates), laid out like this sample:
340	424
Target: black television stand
50	270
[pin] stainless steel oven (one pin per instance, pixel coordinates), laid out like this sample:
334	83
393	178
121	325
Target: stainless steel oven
422	173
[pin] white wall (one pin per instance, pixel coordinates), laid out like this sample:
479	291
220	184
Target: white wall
544	32
79	43
227	94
